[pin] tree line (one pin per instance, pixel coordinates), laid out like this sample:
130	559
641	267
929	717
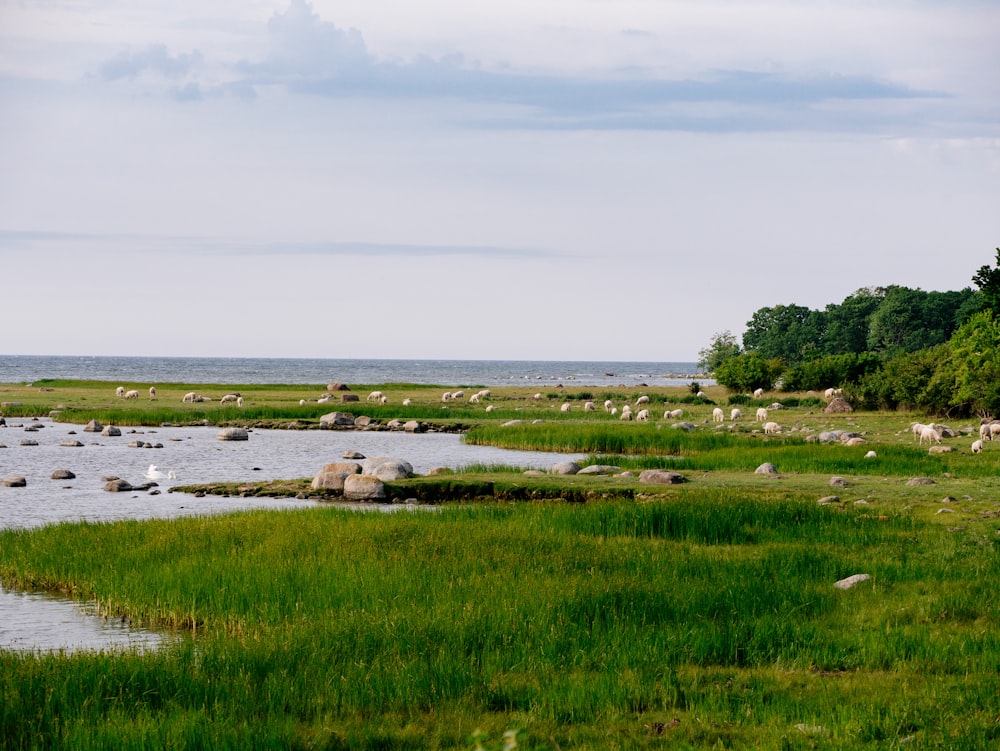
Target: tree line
887	347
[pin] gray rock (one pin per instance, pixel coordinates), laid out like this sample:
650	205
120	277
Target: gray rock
352	455
93	427
661	477
510	423
826	500
913	482
850	581
838	405
838	482
111	430
683	426
363	488
233	434
412	426
766	469
63	474
564	468
940	450
71	444
14	481
336	418
346	398
387	469
28	442
533	473
600	469
118	486
337	386
394	425
362	421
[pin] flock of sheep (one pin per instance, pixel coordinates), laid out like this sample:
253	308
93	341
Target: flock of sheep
189	398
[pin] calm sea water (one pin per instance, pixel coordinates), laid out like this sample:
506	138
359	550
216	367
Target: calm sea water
224	370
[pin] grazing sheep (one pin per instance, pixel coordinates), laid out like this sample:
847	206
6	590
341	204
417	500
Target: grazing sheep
626	414
871	455
323	399
929	434
302	402
133	394
239	401
190	397
474	399
916	427
608	405
588	406
407	402
458	395
772	427
120	391
828	393
565	407
642	415
383	400
614	411
758	393
718	415
374	396
228	399
977	447
152	393
446	396
994	429
735	414
702	395
642	400
485	393
489	407
762	414
674	414
537	397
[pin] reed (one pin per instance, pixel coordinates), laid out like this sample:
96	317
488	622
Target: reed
577	623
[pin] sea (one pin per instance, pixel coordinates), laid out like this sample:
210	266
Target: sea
37	621
320	371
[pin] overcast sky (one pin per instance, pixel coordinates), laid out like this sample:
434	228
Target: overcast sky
553	179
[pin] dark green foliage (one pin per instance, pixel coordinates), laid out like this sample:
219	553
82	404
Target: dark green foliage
974	370
905	381
787	332
829	371
988	281
910	319
748	372
724	345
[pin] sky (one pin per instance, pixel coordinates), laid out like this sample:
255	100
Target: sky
609	180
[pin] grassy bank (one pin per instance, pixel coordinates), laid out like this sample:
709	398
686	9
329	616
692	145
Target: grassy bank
694	621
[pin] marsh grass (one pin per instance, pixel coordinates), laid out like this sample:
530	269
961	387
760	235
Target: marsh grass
575	622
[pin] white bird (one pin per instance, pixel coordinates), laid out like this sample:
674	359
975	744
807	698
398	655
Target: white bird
153	473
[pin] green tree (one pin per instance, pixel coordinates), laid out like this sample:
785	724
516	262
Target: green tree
724	345
908	320
975	363
791	333
847	324
748	371
988	281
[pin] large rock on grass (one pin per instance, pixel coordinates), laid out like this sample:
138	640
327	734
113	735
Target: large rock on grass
363	488
661	477
335	419
386	468
332	476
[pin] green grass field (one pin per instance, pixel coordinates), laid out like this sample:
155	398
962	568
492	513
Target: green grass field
693	616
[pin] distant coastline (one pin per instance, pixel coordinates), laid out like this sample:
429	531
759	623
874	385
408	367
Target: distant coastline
255	370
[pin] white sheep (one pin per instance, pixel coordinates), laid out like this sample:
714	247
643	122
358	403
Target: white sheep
614	411
871	455
565	407
446	396
929	434
474	399
588	407
642	415
735	414
485	394
407	402
374	396
758	393
239	401
994	429
608	404
642	400
190	397
489	407
977	447
322	400
120	391
626	414
152	393
761	414
228	399
702	395
302	402
133	394
718	415
537	397
458	395
772	427
383	400
674	414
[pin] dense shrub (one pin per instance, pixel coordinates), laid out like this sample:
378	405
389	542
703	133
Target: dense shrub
829	371
748	372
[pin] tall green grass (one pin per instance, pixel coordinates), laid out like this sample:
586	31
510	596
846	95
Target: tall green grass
588	625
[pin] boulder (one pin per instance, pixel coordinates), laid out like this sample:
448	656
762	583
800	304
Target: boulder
346	398
856	441
63	474
118	486
683	426
93	426
71	444
387	468
412	426
111	430
362	421
352	455
337	386
661	477
828	499
564	468
600	469
28	442
838	482
510	423
14	481
850	581
838	405
331	476
363	488
233	434
913	482
336	418
940	450
766	469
